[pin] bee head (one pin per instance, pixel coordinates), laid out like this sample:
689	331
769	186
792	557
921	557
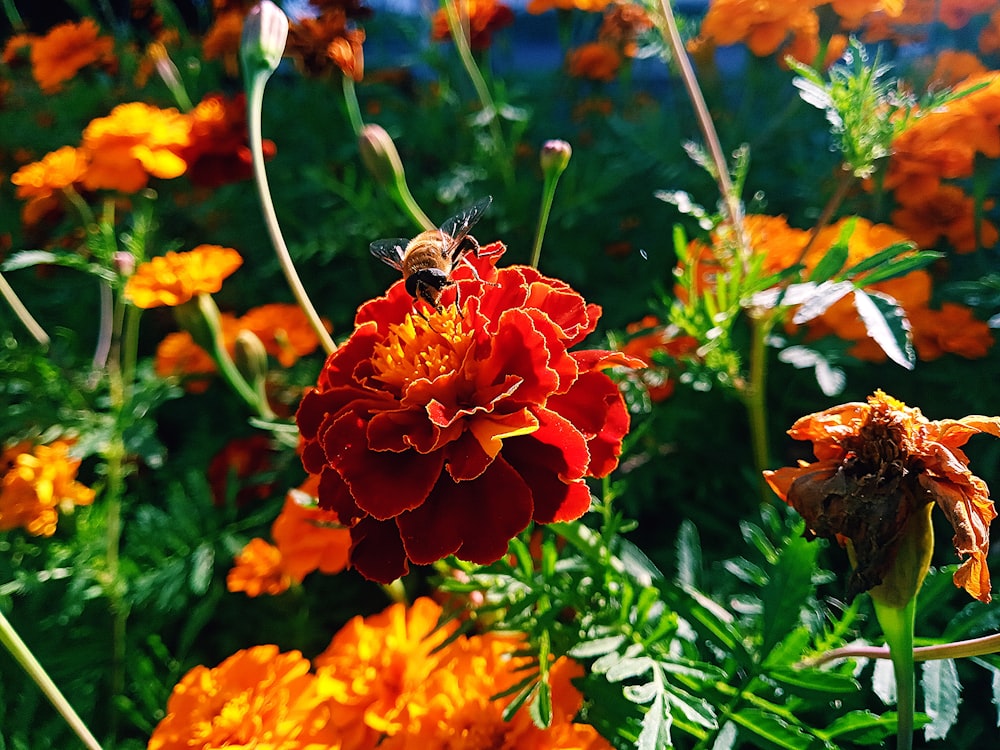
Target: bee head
426	284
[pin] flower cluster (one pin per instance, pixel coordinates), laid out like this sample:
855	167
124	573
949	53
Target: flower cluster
36	483
483	18
423	424
386	681
879	464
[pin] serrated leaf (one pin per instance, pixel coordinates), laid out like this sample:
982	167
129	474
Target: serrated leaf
900	267
696	710
772	732
786	592
596	647
942	695
641	694
31	258
626	669
885	321
823	298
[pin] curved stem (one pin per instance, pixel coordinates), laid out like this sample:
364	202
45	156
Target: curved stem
10	296
353	107
458	36
548	195
255	103
897	625
22	654
987	644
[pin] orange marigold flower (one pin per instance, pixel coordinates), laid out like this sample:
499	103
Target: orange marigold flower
373	668
258	570
37	483
590	6
951	67
879	464
65	50
422	423
135	141
763	25
598	61
311	40
218	152
948	212
222	40
956	14
951	330
175	278
283	329
852	12
257	697
40	181
654	343
309	537
480	18
15	46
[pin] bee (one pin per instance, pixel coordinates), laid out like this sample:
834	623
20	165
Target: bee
428	260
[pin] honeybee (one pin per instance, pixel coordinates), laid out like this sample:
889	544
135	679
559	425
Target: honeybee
428	260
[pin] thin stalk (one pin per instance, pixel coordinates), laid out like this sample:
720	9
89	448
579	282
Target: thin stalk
708	130
548	196
352	105
754	397
897	625
255	104
844	183
23	656
104	325
10	296
458	36
987	644
16	22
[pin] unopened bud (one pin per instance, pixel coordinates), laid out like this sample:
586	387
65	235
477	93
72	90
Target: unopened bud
250	357
125	263
265	32
379	155
555	156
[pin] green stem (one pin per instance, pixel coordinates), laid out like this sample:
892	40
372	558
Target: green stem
255	102
37	332
353	107
897	625
548	195
22	654
754	397
987	644
461	42
16	22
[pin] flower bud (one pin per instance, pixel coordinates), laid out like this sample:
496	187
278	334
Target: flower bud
555	156
250	357
265	32
125	263
379	155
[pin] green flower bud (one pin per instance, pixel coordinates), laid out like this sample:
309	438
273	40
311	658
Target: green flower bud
379	155
265	32
250	358
555	156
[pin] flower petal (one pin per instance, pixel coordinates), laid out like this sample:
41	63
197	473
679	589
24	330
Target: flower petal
377	550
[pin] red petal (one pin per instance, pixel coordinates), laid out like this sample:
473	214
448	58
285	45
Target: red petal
383	483
377	551
519	347
474	520
333	494
596	408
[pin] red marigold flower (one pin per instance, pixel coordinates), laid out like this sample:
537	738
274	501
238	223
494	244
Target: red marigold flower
257	697
238	469
218	152
173	279
65	50
422	425
484	18
880	464
598	61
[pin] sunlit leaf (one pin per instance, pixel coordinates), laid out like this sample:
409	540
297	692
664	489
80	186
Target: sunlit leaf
885	321
942	695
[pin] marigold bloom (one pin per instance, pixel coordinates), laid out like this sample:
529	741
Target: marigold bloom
311	40
135	141
218	152
239	470
258	570
989	37
947	212
879	463
951	330
283	329
222	40
37	484
598	61
179	356
175	278
589	6
40	181
420	425
763	25
951	67
257	698
65	50
623	23
653	340
853	12
309	537
481	18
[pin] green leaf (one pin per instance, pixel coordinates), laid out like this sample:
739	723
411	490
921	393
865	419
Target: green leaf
655	733
541	707
882	256
30	258
900	267
825	296
202	565
626	669
769	731
861	727
689	564
787	591
942	694
835	258
596	647
885	321
808	681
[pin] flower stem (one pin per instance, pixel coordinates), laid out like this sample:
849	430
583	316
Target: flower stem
754	397
987	644
353	107
255	103
17	648
548	195
455	27
37	332
897	625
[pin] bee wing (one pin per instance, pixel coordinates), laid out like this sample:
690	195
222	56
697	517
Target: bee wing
461	223
390	251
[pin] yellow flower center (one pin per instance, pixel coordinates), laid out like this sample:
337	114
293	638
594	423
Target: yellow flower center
422	348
